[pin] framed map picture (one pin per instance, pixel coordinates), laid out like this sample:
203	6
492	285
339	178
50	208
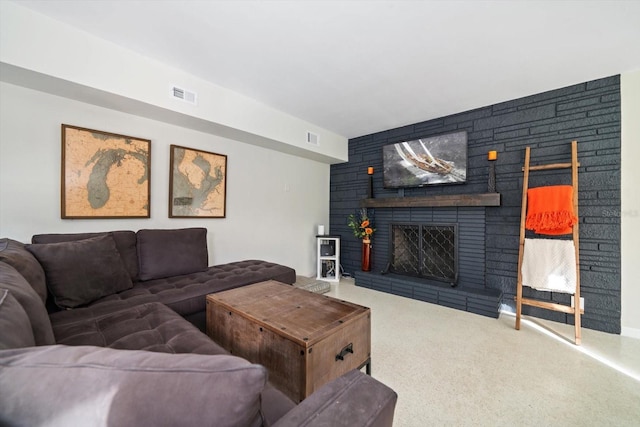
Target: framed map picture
197	183
104	175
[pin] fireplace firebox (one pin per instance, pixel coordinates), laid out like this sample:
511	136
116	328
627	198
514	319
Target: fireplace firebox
424	250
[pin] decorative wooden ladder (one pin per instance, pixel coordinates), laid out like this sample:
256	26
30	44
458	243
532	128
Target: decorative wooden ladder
577	309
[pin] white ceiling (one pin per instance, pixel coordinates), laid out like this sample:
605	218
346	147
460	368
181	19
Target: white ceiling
358	67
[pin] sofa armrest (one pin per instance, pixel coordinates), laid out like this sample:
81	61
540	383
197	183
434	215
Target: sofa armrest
61	386
354	399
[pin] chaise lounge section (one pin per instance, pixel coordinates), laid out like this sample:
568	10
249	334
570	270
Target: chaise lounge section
166	266
118	305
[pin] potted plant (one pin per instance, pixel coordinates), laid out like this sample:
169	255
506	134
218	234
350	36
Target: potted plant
362	228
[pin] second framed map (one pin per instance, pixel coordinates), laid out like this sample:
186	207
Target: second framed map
197	183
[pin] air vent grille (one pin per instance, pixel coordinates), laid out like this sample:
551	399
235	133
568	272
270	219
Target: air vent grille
313	138
184	95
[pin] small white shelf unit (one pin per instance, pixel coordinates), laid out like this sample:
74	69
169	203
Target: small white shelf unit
328	251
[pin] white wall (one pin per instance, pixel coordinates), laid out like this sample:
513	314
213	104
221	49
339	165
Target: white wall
630	209
42	53
274	200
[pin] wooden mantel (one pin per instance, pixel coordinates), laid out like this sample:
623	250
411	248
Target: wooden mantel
481	199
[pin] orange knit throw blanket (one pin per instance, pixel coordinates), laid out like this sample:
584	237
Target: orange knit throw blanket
550	209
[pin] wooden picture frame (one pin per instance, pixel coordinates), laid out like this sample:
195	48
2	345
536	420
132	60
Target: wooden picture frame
104	175
197	183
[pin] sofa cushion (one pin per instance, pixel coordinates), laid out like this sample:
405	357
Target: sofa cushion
60	385
152	327
79	272
16	255
22	291
125	242
186	294
166	253
14	323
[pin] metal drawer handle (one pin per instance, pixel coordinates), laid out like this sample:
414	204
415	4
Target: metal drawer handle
344	351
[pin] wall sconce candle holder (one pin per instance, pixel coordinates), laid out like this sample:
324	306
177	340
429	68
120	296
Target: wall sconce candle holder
492	157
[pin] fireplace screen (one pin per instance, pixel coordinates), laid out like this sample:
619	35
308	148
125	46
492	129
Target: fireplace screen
425	250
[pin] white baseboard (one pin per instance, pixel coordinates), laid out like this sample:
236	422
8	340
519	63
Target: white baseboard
630	332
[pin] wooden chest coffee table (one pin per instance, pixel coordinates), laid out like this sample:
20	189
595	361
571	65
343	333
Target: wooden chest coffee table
304	339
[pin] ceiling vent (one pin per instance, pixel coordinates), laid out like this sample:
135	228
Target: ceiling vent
184	95
312	138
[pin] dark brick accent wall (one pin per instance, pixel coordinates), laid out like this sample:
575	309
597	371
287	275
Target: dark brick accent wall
589	113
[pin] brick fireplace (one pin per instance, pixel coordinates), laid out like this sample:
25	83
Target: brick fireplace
440	257
588	112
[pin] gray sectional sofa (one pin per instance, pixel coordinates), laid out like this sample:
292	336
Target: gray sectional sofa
107	329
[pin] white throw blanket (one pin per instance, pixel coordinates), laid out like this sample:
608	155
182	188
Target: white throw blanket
549	265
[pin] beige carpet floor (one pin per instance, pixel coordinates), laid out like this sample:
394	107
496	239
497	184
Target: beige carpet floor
452	368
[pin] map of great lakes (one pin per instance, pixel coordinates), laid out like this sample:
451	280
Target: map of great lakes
105	175
198	183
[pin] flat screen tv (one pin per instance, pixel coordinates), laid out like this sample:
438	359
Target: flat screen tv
435	160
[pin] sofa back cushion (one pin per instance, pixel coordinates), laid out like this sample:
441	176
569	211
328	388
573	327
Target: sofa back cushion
128	388
167	253
16	284
14	323
16	255
82	271
125	242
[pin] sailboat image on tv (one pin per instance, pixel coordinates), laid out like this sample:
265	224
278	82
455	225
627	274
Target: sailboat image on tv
426	161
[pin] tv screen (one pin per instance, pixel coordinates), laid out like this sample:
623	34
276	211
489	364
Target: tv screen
434	160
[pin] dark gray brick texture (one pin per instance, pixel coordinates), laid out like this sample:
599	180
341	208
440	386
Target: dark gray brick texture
547	122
